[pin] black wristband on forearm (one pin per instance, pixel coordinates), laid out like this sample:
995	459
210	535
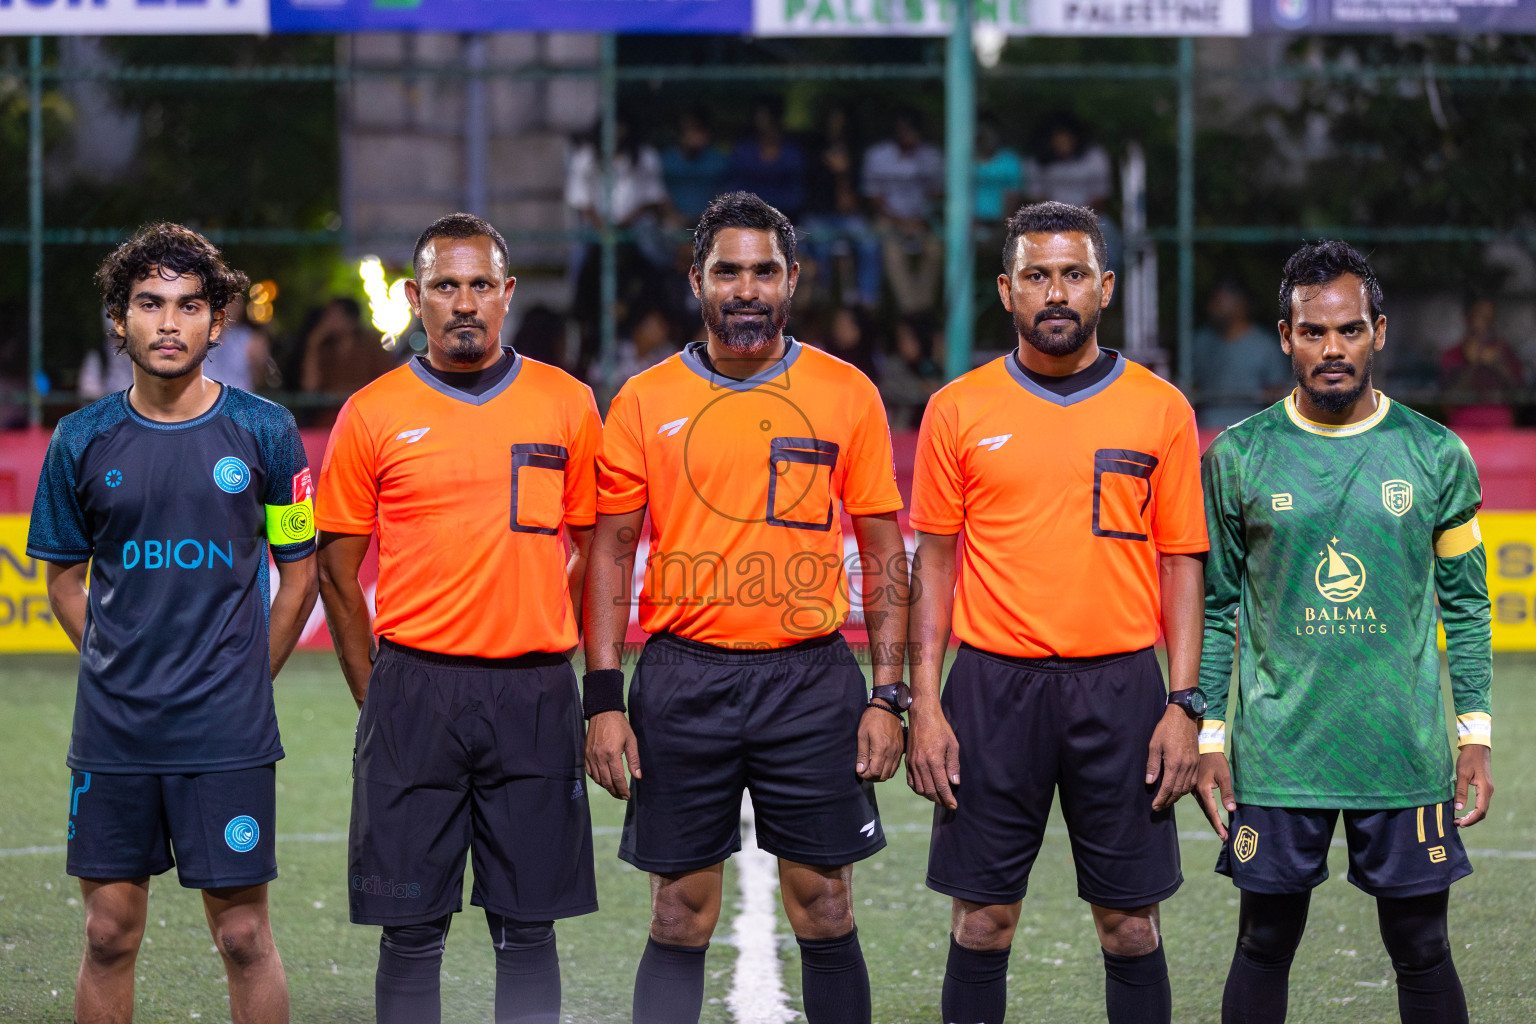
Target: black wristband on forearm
601	691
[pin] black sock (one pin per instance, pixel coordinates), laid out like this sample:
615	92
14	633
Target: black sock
835	980
1257	992
1136	989
669	984
407	987
975	985
1417	938
1269	929
527	971
1431	996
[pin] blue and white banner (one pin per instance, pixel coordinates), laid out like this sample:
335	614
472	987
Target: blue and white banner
732	17
1013	17
132	17
1365	17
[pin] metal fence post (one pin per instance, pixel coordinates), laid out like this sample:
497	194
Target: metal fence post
1186	227
35	230
959	151
475	128
608	85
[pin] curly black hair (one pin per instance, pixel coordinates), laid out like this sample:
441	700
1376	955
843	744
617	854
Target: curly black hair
741	210
1318	263
169	251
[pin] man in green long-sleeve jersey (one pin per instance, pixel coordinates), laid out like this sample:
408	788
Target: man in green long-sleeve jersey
1336	518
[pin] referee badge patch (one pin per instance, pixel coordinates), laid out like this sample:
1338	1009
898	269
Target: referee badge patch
1245	844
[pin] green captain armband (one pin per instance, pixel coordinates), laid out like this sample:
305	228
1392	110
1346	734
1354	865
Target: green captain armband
290	524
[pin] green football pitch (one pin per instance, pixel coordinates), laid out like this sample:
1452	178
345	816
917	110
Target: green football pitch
1341	973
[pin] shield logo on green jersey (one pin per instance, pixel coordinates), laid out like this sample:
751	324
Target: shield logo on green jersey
1397	495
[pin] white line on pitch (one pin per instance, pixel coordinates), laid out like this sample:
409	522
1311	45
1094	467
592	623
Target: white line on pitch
757	985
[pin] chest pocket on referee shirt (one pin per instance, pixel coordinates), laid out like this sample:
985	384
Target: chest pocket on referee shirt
1122	490
800	483
538	487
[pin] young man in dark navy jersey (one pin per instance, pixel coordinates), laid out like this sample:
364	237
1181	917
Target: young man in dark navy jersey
168	497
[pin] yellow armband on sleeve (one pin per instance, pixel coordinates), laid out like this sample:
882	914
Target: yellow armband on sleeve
1458	540
290	524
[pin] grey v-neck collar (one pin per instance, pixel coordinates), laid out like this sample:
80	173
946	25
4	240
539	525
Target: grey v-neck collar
695	362
1024	382
464	396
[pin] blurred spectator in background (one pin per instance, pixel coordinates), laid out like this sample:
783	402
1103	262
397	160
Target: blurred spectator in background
694	168
638	188
243	358
769	164
541	336
911	372
1070	168
903	177
999	176
639	197
851	337
13	384
1482	366
839	238
1239	368
105	369
649	337
339	354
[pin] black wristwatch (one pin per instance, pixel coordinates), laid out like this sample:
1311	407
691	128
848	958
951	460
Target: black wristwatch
897	698
1191	700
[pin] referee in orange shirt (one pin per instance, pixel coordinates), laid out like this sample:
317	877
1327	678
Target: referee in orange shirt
1074	476
746	448
475	466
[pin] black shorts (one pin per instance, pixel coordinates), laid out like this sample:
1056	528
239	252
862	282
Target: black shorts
1029	725
216	828
469	754
1407	851
782	724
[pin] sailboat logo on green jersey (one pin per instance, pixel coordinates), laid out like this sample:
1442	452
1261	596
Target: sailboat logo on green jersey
1340	576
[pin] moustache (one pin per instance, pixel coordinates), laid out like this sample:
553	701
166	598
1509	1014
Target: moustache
459	324
1322	368
1058	313
747	307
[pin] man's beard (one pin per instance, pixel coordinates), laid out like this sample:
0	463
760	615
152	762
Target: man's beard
1334	401
749	337
463	346
1063	344
141	358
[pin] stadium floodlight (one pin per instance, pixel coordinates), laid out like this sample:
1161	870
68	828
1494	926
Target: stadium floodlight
386	302
988	39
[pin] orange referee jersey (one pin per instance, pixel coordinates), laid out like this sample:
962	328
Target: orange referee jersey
744	480
468	494
1065	503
